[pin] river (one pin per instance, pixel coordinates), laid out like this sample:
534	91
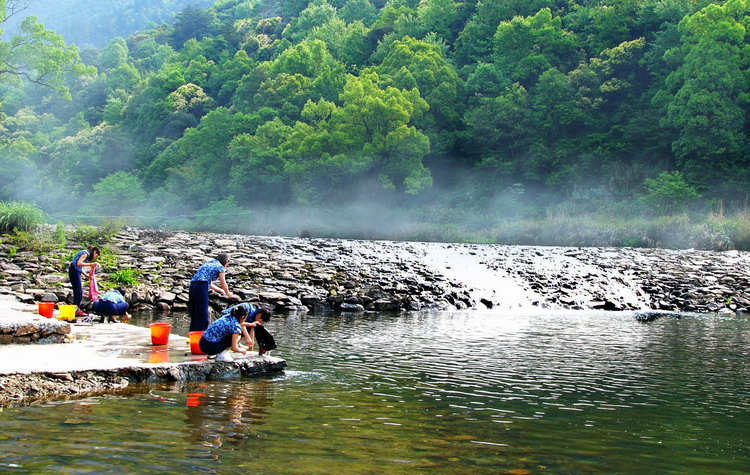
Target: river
464	392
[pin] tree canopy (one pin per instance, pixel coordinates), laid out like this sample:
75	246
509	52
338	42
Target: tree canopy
456	104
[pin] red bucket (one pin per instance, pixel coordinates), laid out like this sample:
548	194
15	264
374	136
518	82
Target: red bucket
160	333
195	338
46	308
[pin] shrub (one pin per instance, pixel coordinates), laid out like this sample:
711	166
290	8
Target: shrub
669	193
29	241
93	235
59	235
19	215
125	277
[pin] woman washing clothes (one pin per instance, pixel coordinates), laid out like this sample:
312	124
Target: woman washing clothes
224	335
202	281
84	258
256	317
110	305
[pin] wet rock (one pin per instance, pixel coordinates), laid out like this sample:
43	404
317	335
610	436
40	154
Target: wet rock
385	305
322	307
412	305
351	307
651	316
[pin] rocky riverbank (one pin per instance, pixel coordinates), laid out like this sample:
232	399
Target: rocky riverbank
331	275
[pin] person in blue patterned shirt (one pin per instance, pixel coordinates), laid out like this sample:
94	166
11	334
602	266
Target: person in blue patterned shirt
111	304
84	258
255	314
200	284
224	334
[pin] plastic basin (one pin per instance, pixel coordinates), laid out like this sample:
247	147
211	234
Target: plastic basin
67	312
160	333
195	338
46	308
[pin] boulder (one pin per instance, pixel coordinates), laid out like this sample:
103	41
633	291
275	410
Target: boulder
351	307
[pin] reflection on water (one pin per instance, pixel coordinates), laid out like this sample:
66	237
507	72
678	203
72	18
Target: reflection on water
462	392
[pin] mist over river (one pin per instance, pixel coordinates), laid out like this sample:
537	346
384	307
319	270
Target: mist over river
427	392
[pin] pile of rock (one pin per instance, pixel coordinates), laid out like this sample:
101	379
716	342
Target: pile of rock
323	275
44	331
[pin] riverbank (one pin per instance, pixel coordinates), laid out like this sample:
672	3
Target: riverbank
102	357
326	275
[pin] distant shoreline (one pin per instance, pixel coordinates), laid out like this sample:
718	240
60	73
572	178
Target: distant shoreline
339	275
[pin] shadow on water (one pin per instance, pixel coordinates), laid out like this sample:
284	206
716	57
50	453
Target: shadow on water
464	392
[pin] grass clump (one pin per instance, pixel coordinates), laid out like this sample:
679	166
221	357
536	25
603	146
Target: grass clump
19	215
124	277
97	235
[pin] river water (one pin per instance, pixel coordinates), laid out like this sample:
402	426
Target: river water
468	392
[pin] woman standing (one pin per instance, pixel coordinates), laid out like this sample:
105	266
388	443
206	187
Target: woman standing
85	258
200	284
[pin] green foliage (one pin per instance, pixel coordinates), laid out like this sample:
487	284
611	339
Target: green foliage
122	191
669	192
22	216
39	56
517	105
59	235
223	216
124	277
96	236
31	241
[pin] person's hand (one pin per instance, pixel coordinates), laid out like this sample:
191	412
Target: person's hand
250	343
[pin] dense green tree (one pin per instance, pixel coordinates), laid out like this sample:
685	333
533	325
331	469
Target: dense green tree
122	192
38	56
358	10
379	118
317	14
192	23
114	54
525	47
421	64
706	97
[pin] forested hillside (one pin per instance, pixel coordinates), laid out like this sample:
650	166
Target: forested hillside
461	116
93	23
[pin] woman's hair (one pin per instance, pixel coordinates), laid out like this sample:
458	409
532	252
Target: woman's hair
223	258
92	250
265	314
239	312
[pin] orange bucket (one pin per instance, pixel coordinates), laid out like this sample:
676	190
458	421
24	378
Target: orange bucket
46	308
195	338
160	333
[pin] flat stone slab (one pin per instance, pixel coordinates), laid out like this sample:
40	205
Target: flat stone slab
105	356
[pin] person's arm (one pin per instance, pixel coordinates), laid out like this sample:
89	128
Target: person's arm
248	338
82	262
236	344
224	288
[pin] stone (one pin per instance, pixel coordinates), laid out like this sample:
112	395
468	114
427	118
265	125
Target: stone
50	297
413	305
27	330
310	300
167	297
351	307
386	304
